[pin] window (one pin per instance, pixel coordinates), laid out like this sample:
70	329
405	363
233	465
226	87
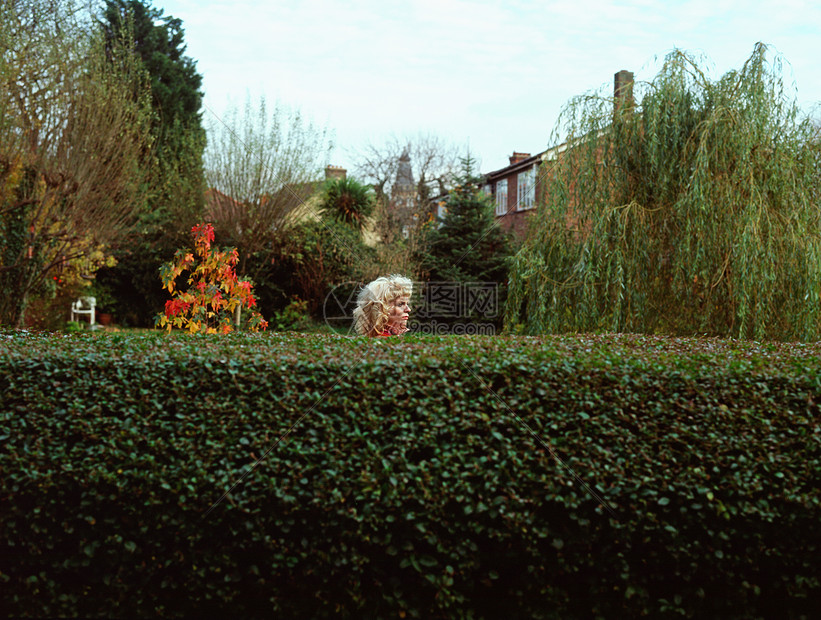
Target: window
526	198
487	190
501	197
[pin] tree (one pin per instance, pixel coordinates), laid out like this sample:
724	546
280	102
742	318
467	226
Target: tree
425	162
175	195
433	159
349	201
468	250
262	167
694	212
407	174
215	296
179	137
74	139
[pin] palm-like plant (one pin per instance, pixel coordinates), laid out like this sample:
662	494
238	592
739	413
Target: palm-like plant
349	201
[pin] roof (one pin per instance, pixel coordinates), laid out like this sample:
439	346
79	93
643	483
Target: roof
526	163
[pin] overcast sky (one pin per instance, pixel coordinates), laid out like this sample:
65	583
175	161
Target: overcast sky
488	76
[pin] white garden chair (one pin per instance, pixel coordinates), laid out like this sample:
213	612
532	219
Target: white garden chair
84	305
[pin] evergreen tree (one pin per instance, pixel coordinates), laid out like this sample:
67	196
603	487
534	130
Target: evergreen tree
176	194
467	255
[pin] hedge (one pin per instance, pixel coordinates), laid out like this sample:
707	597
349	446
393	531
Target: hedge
312	475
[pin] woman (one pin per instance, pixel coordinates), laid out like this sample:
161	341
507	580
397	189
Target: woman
383	307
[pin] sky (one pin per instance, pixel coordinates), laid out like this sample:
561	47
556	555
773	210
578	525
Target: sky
490	77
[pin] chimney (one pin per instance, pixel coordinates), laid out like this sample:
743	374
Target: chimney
517	157
623	91
335	172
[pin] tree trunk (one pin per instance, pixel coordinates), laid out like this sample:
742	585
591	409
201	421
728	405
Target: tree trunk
12	303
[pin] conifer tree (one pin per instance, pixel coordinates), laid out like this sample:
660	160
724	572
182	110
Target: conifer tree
467	248
176	194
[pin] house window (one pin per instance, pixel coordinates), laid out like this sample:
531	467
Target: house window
487	190
527	188
501	197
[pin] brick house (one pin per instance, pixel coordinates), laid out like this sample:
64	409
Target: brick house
518	188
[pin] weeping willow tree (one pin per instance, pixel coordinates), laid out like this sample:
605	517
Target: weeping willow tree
693	211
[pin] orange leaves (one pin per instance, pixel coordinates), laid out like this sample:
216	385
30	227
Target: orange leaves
203	235
215	297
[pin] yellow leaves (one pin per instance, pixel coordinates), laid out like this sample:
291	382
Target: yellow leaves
13	175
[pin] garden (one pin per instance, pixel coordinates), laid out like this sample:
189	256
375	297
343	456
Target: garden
614	414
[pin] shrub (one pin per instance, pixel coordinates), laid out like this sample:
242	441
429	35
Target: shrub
294	317
258	475
215	294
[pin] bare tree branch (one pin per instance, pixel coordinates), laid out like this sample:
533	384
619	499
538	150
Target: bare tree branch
74	143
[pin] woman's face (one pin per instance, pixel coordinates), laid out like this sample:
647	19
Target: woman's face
399	312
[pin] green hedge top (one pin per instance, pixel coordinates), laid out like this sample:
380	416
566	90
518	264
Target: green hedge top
609	349
561	476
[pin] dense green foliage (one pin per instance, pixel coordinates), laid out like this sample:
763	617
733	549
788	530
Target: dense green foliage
176	193
323	249
467	245
318	255
349	201
158	40
696	211
355	490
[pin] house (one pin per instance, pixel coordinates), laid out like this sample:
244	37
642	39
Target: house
517	188
292	204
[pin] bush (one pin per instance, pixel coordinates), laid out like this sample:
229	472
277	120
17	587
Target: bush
215	294
293	318
292	475
317	256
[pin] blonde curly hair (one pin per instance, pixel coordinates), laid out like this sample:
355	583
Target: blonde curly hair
373	303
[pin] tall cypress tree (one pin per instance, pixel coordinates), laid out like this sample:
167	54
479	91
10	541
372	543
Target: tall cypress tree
176	195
